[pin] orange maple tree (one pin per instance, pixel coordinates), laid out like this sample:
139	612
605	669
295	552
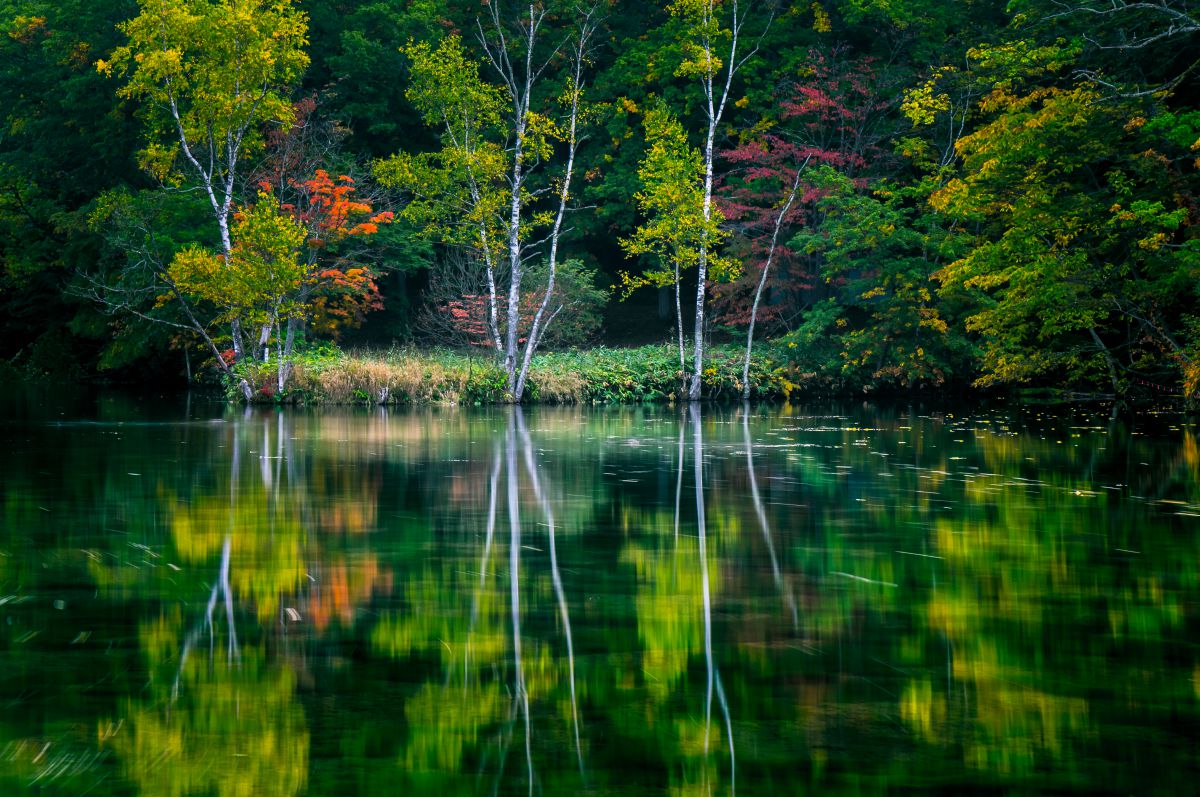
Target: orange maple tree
340	291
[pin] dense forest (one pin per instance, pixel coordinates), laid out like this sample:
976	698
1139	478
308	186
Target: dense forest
878	194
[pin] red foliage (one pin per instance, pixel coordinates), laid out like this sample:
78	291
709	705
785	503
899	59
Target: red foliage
829	117
469	316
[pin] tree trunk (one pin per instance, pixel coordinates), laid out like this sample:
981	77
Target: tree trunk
762	279
540	322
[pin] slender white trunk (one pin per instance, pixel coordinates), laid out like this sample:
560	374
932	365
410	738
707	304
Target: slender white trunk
521	102
512	332
521	693
564	195
490	270
762	278
555	575
714	114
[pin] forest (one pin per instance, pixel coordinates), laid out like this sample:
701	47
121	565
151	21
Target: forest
602	200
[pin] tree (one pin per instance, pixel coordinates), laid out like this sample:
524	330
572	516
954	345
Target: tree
456	303
213	72
478	188
262	278
703	36
63	141
677	229
1085	267
830	116
454	194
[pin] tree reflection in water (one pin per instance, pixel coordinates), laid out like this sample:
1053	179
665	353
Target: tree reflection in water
847	603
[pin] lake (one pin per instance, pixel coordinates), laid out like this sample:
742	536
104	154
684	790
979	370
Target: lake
197	599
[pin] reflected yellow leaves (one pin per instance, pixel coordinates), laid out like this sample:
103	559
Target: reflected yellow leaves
219	725
668	603
267	537
631	601
446	721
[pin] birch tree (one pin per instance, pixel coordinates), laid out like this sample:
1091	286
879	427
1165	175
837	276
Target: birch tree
455	194
483	189
213	72
676	229
516	54
711	57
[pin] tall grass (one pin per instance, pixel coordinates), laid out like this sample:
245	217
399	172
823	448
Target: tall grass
593	376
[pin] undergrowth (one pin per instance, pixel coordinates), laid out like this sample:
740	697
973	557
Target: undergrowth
592	376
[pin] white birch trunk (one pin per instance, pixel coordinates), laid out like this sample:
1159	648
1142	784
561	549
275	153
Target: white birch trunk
714	115
540	322
762	278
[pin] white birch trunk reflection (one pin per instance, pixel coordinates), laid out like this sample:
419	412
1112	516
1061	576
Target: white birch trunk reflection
713	676
493	489
521	695
555	575
788	598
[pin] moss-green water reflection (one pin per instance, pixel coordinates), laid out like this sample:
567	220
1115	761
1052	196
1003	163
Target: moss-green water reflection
787	600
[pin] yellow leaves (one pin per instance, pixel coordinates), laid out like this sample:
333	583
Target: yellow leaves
922	104
821	20
1191	377
200	55
921	710
677	232
699	61
702	33
540	133
936	324
264	271
1153	242
158	160
952	194
23	29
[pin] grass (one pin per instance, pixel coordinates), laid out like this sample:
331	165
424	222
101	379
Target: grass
647	374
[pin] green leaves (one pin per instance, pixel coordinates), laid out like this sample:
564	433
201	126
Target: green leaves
1076	240
214	69
672	200
264	275
456	194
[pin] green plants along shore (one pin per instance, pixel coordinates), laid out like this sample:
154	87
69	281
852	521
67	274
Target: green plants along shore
591	376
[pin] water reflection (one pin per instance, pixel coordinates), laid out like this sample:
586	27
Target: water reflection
568	601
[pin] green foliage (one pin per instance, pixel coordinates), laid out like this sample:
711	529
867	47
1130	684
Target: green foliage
582	301
1074	241
884	326
1048	178
672	201
215	70
264	275
456	194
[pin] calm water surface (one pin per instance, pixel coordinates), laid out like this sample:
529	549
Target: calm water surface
196	600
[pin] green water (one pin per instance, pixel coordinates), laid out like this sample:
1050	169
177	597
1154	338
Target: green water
197	600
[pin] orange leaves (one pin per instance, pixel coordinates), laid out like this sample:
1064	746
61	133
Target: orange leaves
332	212
328	208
